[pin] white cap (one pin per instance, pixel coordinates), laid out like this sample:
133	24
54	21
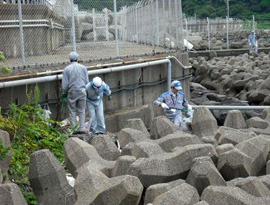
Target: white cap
177	85
97	82
73	56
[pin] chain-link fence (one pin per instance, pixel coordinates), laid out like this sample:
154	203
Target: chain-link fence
216	25
45	31
229	31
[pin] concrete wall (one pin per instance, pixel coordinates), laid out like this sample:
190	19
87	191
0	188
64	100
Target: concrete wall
40	37
122	101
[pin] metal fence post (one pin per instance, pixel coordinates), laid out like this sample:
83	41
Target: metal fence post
21	32
116	29
136	21
180	20
94	24
227	32
73	26
107	25
153	24
164	22
253	23
150	23
157	21
170	19
208	29
176	23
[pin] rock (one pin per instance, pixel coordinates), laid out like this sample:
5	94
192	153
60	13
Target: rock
156	190
146	150
224	148
105	147
265	180
258	96
183	194
202	203
268	167
127	150
257	122
233	164
203	123
257	149
137	124
161	126
254	187
10	194
223	195
169	166
79	153
197	86
211	85
236	45
177	139
93	187
204	173
128	135
48	179
212	54
4	163
226	135
122	165
235	119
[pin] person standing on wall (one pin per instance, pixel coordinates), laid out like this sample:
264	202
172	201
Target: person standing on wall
173	102
75	79
253	46
95	90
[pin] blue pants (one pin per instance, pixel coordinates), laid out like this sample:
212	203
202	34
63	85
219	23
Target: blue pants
176	118
97	115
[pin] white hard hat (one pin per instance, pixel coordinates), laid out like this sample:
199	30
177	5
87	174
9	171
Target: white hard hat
177	85
73	56
97	82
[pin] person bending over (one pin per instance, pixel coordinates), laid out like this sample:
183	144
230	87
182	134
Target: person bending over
95	90
173	102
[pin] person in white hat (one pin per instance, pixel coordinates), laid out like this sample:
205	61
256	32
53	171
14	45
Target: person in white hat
252	42
75	78
173	102
95	90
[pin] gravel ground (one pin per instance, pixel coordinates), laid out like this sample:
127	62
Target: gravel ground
87	51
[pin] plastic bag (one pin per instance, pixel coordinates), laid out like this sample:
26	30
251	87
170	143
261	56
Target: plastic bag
187	119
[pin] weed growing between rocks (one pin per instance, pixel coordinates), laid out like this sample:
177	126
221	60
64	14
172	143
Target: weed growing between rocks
29	132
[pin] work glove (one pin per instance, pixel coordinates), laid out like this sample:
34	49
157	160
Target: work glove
173	110
109	98
164	106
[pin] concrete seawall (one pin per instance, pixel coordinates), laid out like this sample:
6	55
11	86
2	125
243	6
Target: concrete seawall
131	89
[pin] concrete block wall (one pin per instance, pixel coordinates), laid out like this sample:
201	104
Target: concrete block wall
122	101
38	39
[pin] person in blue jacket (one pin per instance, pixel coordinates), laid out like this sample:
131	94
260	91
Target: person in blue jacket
95	90
173	102
252	42
75	78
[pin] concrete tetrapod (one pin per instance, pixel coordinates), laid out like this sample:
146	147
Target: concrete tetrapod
48	180
93	187
169	166
79	153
